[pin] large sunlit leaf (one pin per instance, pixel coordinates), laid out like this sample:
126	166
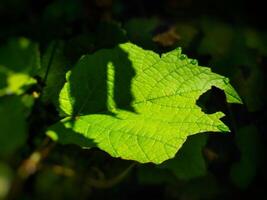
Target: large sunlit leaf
136	104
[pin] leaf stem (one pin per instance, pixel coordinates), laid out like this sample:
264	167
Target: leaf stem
30	166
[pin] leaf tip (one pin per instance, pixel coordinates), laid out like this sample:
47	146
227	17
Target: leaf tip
52	135
223	128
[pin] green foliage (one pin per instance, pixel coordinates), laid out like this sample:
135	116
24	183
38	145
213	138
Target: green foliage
140	31
19	62
5	179
54	66
134	122
187	33
240	49
251	148
188	164
13	126
142	106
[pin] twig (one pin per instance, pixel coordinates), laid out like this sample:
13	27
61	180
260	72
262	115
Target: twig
30	166
108	183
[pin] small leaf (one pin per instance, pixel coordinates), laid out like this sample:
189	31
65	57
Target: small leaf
19	62
13	125
134	104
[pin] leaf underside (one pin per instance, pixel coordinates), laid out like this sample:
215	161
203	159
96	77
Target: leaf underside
137	105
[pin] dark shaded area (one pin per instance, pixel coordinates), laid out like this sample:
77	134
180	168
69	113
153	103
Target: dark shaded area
94	74
228	36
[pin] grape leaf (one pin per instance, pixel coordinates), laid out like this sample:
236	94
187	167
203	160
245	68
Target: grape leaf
137	105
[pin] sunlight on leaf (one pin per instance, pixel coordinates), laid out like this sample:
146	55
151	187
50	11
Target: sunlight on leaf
155	100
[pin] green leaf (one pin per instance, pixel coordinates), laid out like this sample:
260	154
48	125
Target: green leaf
20	55
189	163
19	62
135	104
6	175
13	124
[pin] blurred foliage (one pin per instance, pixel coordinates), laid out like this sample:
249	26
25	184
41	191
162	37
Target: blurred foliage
5	179
41	40
251	149
239	48
19	62
14	127
140	31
